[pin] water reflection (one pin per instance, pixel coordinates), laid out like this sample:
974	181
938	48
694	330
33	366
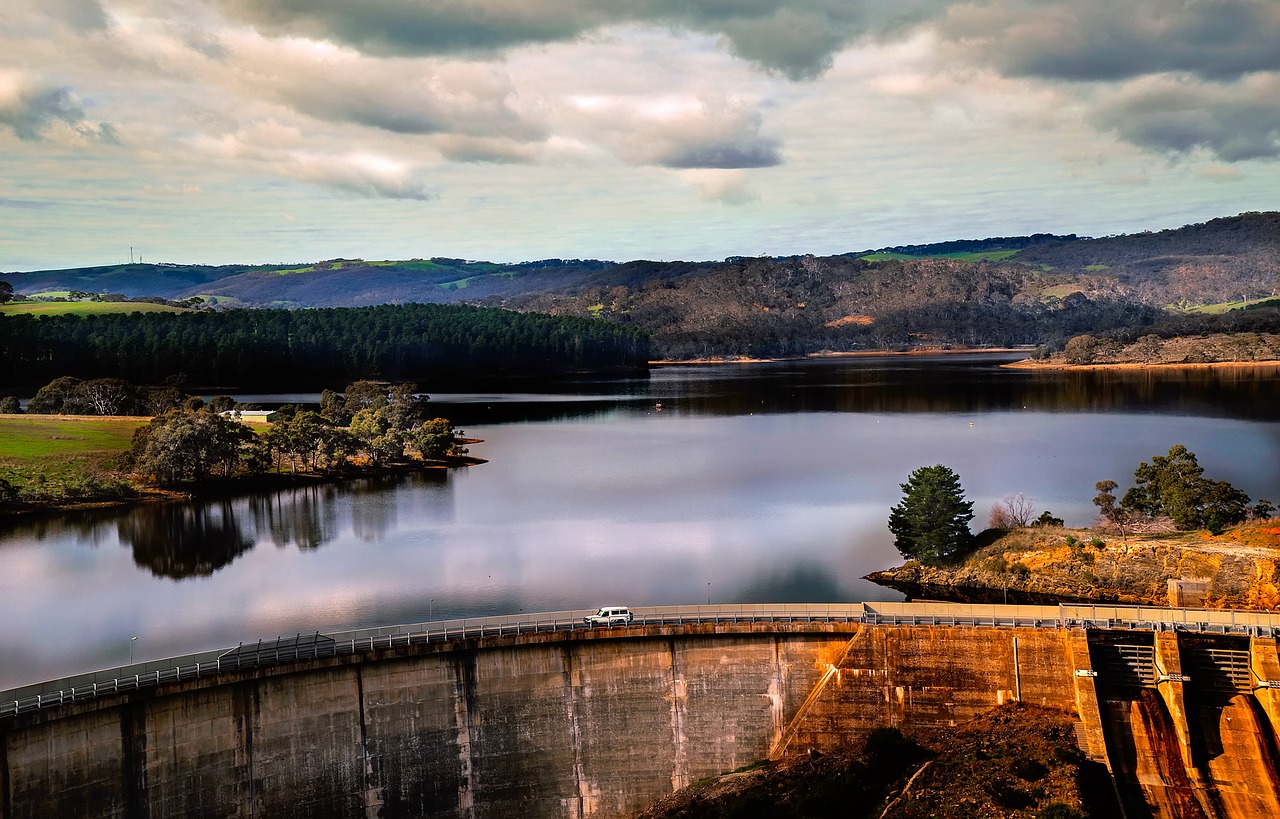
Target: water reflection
197	539
186	540
803	581
957	383
770	482
306	517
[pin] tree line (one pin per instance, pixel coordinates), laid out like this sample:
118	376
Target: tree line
371	422
301	348
931	522
189	441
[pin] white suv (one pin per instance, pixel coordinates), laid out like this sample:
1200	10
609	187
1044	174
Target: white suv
609	616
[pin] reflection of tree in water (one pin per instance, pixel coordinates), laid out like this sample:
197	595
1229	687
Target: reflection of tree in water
376	501
305	517
91	527
184	540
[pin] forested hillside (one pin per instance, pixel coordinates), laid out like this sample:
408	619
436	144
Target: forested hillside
1040	289
805	304
1227	259
281	349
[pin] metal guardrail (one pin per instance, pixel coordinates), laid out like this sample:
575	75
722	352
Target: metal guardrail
311	646
303	647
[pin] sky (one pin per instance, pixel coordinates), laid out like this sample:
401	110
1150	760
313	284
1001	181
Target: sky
267	131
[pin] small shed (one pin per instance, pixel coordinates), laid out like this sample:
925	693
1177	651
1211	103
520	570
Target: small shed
252	416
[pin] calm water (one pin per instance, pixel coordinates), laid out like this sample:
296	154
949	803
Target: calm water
752	483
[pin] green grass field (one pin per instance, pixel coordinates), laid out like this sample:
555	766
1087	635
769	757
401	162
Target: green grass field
83	308
1222	307
978	256
884	257
1059	290
61	448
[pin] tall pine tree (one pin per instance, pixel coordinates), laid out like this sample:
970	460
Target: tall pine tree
931	522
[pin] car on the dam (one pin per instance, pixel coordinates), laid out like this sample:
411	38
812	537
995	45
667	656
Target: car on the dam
609	616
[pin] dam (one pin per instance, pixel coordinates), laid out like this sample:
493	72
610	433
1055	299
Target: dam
538	716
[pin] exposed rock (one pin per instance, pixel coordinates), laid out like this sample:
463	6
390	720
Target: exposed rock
1237	569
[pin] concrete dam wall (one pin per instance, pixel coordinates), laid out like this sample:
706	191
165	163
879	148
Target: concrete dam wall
602	723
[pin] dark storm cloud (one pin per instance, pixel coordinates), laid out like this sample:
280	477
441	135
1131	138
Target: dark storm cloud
1173	76
1234	122
35	109
760	153
1100	40
796	38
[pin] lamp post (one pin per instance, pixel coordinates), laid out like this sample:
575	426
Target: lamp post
708	592
132	640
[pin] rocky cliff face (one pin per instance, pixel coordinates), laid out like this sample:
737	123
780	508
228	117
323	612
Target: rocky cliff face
1237	569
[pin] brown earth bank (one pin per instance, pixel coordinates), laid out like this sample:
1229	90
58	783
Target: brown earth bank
1237	569
1014	761
1213	350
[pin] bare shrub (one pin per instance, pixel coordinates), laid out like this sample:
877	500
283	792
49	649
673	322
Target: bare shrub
1011	512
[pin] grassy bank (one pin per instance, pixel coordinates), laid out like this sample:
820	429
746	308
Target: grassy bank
68	461
62	450
85	308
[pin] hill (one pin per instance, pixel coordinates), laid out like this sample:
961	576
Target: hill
1002	291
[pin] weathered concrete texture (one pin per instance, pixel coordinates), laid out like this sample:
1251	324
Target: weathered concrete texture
1240	757
576	725
195	751
934	677
67	767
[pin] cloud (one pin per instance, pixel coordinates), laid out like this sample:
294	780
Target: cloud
31	109
283	151
360	174
1094	40
463	148
725	186
76	15
678	131
796	38
1233	121
411	97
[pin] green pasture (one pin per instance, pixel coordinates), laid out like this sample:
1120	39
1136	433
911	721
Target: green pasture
884	257
1059	290
83	308
1222	307
59	448
980	256
976	256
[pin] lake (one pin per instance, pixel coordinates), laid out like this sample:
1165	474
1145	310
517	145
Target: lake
723	483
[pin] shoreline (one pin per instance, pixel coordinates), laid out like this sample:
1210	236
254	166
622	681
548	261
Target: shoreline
1031	364
228	487
923	351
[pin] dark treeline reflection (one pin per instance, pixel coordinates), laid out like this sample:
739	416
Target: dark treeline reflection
184	540
197	538
937	384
